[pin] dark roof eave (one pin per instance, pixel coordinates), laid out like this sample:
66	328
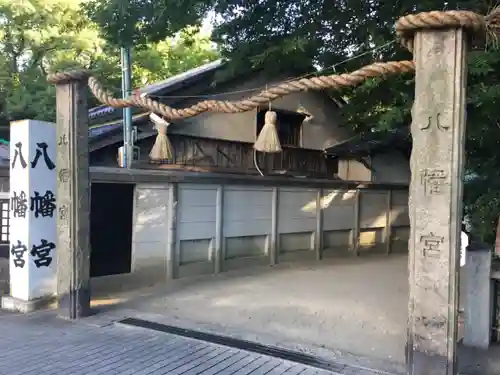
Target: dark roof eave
367	144
165	86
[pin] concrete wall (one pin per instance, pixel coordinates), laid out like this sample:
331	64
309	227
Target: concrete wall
243	226
4	178
353	170
150	228
321	131
387	167
391	167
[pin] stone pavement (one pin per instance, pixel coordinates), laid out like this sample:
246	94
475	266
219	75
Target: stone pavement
40	343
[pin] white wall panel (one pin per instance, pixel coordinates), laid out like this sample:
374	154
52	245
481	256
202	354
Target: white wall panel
373	208
293	213
247	211
399	214
196	211
338	209
150	226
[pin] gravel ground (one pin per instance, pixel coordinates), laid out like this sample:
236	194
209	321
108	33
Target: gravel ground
342	308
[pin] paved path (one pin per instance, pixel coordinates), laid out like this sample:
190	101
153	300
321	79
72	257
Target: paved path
43	344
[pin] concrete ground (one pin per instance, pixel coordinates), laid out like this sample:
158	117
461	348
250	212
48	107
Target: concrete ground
43	344
351	312
345	309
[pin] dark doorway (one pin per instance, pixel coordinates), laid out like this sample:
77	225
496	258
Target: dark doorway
111	210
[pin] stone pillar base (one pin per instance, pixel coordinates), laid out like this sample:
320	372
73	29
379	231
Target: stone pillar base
478	298
10	303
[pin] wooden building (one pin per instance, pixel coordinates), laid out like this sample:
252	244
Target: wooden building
326	190
234	207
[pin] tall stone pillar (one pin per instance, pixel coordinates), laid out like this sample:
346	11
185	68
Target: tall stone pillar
438	131
73	188
32	216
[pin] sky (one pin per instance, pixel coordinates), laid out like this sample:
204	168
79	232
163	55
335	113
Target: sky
207	25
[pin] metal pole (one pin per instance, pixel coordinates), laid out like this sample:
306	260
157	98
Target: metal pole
127	112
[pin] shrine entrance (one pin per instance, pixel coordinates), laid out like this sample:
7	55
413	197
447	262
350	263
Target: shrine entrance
439	44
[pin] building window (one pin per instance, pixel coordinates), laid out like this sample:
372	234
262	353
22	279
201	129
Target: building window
289	126
4	221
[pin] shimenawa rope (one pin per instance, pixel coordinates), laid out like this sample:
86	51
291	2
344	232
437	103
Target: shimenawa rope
405	29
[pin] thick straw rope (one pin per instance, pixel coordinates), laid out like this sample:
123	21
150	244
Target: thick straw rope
405	29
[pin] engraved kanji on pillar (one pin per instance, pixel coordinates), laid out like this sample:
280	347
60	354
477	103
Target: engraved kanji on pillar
438	133
73	201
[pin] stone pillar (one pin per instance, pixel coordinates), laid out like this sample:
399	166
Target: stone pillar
478	304
435	204
32	215
73	188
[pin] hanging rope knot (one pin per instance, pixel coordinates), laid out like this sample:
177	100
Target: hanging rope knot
161	129
69	76
477	24
268	140
162	149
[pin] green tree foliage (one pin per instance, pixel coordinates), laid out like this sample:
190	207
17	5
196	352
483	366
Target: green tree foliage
302	33
40	36
140	22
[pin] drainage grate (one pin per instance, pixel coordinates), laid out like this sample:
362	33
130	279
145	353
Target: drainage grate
289	355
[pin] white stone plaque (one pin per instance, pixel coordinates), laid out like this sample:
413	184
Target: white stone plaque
32	209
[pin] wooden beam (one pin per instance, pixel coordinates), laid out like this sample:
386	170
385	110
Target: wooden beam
435	206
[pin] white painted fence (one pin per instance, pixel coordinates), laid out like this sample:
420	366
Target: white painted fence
189	229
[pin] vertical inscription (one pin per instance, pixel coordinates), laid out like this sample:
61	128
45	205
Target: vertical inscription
434	121
438	134
18	155
431	245
63	213
42	151
42	253
73	201
63	140
19	204
17	251
43	205
434	180
33	204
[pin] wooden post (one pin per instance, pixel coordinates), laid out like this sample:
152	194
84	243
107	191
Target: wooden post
274	246
318	234
73	208
388	223
219	256
173	250
435	204
356	225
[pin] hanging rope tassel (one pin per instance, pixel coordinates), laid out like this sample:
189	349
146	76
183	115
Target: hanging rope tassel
268	140
162	149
